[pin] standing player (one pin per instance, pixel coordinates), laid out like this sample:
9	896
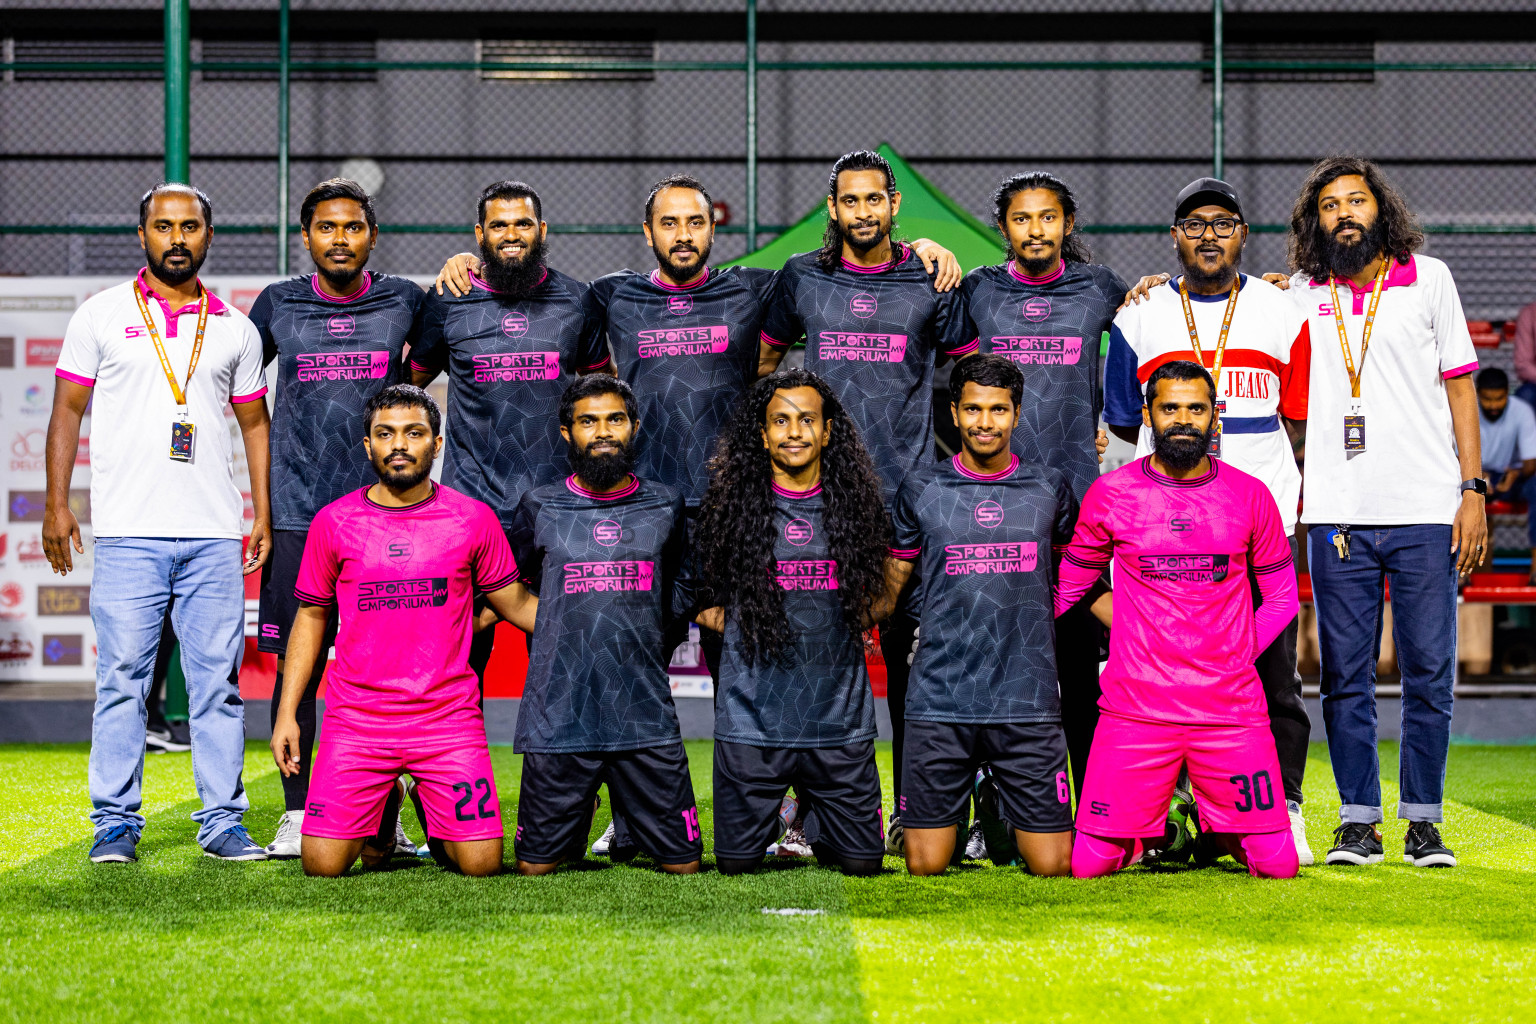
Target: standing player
339	336
873	324
1183	531
984	684
510	345
792	542
1254	340
1046	309
401	561
604	549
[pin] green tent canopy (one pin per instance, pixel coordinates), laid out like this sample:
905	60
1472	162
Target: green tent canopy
926	212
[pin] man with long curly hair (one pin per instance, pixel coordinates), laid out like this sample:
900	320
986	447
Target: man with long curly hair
793	543
1392	488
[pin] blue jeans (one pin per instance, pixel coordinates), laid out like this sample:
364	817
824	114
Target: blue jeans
134	580
1418	562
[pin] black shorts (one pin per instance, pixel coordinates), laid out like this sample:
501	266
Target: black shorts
839	787
279	605
1029	762
652	795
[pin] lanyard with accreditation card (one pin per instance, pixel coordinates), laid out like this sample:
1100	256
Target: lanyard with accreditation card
1354	419
182	429
1221	348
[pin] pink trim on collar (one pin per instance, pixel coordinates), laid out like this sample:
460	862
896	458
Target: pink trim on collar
398	509
1168	481
906	253
1013	464
314	284
476	281
1400	276
659	283
1023	278
575	488
785	492
215	304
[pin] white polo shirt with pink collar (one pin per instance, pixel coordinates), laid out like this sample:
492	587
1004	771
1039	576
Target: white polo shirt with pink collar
137	489
1408	473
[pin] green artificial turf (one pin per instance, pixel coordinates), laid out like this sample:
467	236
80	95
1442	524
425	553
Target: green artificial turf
179	936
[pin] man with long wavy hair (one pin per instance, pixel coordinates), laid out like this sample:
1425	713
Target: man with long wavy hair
1392	488
792	545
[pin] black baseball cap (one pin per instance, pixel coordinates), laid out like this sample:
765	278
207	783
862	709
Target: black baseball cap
1207	192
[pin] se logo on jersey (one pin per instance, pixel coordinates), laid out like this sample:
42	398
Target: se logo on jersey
989	514
514	324
607	533
863	305
798	532
1036	309
680	305
341	325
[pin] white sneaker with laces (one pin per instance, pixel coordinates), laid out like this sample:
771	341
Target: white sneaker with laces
285	845
976	842
1299	836
792	844
403	844
604	842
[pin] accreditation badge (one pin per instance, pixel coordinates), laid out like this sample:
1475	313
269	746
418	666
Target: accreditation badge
183	433
1215	448
1354	427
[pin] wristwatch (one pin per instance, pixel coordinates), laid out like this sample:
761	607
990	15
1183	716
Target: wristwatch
1477	484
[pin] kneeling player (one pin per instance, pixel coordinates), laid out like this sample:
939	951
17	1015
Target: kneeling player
401	561
984	678
1184	531
603	549
793	542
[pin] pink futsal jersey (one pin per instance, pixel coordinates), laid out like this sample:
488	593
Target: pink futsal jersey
403	581
1185	632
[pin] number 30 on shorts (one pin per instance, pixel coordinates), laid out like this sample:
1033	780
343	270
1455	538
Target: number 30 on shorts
1259	792
461	807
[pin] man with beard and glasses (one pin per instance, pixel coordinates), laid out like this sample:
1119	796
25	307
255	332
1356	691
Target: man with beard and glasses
1507	433
793	542
401	562
1393	489
339	336
1183	531
605	550
1255	342
158	359
984	680
510	344
1046	308
874	326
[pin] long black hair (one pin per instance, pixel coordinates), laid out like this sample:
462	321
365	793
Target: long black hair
736	530
1399	229
1073	248
831	251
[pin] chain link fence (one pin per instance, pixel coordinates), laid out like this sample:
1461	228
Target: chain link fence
591	120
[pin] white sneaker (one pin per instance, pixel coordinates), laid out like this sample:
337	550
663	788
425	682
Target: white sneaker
792	844
1299	837
403	844
976	842
895	839
604	842
285	845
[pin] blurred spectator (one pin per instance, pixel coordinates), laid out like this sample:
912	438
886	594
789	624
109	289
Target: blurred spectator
1507	426
1525	353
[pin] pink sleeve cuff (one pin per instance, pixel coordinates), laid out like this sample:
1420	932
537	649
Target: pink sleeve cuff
417	366
241	399
965	350
1460	370
906	554
775	342
599	365
85	382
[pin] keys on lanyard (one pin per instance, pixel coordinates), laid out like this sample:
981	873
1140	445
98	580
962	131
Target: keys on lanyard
183	431
1339	538
1221	348
1354	417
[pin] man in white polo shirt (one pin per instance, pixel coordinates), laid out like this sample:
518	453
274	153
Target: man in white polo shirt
1253	338
1393	489
161	356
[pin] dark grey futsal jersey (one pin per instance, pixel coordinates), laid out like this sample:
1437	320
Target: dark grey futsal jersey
1052	328
818	695
987	653
332	356
508	362
689	353
872	333
607	571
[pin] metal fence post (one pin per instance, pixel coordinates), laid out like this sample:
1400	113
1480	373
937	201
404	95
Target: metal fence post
1218	91
282	138
178	80
751	125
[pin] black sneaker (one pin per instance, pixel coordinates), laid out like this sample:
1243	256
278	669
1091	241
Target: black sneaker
1355	843
1423	849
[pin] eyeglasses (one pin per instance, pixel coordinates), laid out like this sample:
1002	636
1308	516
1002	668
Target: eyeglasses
1194	227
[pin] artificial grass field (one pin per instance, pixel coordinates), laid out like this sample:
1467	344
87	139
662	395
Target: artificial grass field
179	936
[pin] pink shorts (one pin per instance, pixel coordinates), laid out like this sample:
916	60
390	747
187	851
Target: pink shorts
1134	764
350	783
